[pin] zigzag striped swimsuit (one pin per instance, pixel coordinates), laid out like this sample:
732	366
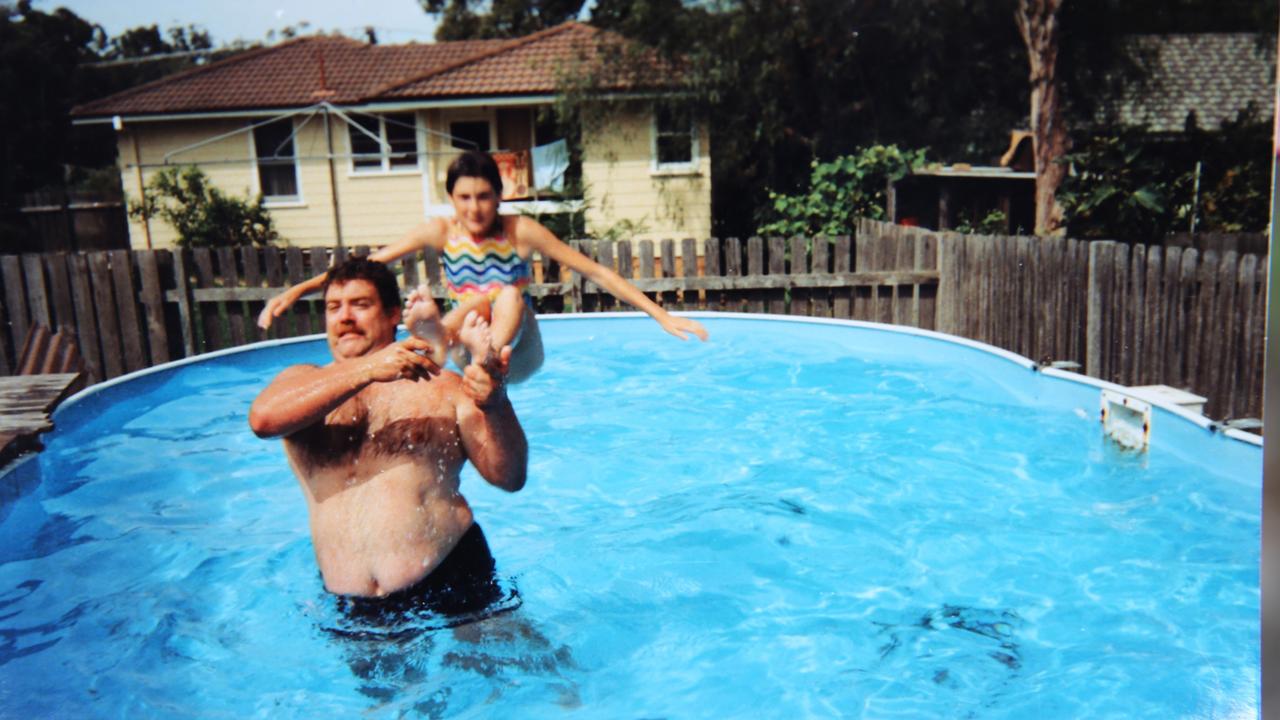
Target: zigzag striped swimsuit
482	266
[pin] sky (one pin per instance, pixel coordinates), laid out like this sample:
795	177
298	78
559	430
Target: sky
396	21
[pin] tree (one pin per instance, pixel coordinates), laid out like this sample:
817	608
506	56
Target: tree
782	83
203	215
40	54
1038	25
459	19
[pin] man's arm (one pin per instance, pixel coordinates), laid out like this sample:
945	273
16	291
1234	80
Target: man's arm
304	394
491	433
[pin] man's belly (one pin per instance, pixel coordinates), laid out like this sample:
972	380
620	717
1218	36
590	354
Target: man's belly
384	534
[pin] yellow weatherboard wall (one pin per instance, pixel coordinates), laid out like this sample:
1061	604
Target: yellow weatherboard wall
154	140
623	190
376	208
622	185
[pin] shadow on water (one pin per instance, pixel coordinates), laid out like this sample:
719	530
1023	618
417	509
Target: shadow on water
417	660
972	651
32	531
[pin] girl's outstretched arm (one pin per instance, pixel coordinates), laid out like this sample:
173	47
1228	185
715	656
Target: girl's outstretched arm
431	232
533	234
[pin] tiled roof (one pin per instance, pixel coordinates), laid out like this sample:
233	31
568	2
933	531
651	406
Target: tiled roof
307	70
538	63
1216	75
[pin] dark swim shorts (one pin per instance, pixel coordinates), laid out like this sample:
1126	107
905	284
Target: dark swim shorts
463	588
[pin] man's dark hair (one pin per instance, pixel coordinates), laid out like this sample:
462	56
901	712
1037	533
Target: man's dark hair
476	164
365	269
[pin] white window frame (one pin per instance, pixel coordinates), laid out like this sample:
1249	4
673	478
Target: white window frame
276	201
384	167
673	168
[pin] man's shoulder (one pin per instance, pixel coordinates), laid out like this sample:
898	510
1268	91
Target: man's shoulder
298	369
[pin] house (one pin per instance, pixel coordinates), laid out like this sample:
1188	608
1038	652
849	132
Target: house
348	142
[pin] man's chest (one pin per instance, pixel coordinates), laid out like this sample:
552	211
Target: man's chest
389	421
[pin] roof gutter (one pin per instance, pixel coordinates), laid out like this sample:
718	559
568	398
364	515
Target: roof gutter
398	106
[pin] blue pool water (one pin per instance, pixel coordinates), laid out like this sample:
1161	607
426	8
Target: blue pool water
794	519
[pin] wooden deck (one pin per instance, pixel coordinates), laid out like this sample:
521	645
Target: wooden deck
26	402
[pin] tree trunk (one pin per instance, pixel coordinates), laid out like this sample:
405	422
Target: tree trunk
1038	24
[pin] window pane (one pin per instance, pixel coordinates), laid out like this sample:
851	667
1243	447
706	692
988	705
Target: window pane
366	151
675	149
273	145
274	140
403	138
278	180
470	135
675	136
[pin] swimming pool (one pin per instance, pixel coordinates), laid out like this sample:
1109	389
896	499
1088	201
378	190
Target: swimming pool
794	519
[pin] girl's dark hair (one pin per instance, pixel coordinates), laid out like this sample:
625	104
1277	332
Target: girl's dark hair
360	268
477	164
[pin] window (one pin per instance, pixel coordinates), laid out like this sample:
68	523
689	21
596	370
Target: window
470	135
380	143
675	140
277	162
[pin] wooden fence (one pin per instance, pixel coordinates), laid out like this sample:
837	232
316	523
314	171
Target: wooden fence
1133	315
58	221
1124	314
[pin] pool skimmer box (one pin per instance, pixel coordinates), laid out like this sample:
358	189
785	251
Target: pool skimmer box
1126	420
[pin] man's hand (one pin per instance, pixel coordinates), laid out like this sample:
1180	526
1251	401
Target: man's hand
408	359
485	382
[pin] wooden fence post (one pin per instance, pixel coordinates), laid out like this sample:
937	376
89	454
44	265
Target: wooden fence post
951	277
135	356
711	260
1099	273
182	285
152	297
37	294
755	267
669	300
777	298
689	299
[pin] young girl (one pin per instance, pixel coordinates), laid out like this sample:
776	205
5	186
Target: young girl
486	264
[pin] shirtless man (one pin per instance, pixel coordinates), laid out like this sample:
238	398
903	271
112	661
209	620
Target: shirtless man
377	439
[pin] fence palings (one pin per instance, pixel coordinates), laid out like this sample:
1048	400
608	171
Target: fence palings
1170	315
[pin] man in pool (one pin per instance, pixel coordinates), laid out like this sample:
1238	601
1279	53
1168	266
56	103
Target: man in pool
377	439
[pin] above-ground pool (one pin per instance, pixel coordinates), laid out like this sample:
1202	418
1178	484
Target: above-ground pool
794	519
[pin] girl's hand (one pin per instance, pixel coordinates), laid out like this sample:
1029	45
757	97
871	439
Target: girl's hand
276	307
681	327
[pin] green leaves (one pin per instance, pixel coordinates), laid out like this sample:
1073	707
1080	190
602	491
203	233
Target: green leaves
1126	185
841	190
202	214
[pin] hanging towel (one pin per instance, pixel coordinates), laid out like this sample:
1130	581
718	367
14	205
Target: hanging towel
550	162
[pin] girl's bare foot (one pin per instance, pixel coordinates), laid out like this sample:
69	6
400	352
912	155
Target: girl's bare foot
422	318
477	339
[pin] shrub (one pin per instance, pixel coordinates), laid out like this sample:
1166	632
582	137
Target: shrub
839	191
203	215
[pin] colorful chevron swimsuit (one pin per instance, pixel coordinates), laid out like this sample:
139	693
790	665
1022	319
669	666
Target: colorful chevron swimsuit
482	266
